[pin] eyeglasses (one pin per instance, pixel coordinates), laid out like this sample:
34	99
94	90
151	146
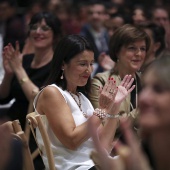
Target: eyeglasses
43	28
135	49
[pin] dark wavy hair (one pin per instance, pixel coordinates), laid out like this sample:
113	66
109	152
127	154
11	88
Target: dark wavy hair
68	47
52	21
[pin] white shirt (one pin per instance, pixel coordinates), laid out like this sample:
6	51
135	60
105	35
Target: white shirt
66	159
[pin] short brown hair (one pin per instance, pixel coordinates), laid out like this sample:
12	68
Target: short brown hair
125	35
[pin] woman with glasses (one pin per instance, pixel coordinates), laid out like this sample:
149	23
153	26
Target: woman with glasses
23	77
128	48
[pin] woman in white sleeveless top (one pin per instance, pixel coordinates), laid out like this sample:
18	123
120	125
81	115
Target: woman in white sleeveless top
67	110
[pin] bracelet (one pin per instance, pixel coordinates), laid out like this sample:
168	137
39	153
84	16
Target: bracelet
23	80
112	116
100	113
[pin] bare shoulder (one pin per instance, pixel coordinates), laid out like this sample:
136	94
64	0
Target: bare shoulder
50	97
51	92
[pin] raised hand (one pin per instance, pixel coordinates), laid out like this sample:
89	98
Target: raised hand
105	61
107	94
124	88
6	64
12	57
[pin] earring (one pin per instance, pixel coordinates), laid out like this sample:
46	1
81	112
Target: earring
62	77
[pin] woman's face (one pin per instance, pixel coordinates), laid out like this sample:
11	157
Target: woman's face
132	56
41	35
154	103
79	69
138	16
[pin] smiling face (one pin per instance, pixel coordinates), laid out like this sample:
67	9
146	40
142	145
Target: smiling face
96	15
41	35
79	69
132	56
154	103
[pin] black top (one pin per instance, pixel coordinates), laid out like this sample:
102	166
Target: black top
19	108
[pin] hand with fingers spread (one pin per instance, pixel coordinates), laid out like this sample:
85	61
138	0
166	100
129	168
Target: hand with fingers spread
107	95
122	92
124	88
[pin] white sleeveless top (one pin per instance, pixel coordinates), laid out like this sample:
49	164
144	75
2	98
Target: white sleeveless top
66	159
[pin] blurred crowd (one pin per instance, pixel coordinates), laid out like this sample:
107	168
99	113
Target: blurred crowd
97	22
119	30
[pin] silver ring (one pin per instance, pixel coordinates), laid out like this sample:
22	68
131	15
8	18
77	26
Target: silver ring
111	91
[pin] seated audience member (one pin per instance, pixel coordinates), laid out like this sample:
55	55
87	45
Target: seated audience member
128	48
66	111
154	122
95	31
24	77
160	16
139	15
158	47
115	21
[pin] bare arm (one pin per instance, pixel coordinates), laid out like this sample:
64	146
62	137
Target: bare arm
53	105
107	132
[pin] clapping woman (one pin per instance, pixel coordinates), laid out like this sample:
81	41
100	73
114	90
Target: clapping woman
128	48
66	111
24	76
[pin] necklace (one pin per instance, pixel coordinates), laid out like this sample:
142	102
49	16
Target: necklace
78	102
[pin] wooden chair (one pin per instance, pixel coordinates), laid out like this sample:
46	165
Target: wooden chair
30	109
35	153
17	133
35	121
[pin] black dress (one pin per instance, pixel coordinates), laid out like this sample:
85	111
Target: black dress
19	108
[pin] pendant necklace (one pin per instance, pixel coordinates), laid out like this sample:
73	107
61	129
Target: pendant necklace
78	102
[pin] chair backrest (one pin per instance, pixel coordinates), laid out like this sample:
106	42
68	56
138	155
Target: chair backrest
17	133
35	121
